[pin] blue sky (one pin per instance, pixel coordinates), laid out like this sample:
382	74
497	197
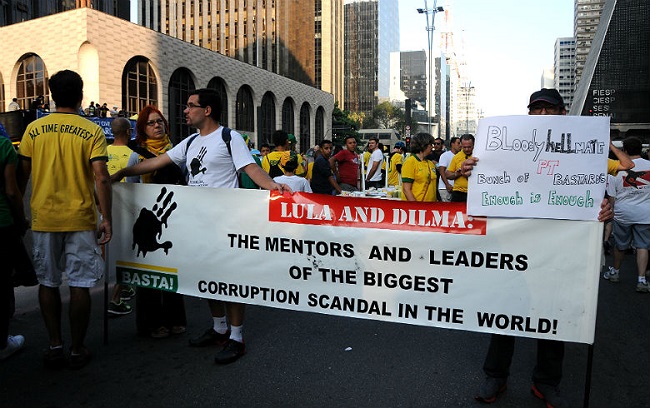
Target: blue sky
508	43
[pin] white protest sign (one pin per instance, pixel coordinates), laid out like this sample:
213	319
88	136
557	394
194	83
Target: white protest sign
539	166
426	264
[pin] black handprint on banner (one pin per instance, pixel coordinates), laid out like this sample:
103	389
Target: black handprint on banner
197	162
148	227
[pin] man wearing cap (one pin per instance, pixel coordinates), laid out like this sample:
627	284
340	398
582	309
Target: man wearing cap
395	163
550	354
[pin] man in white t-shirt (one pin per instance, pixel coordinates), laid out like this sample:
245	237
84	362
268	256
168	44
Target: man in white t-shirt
629	193
444	185
373	174
209	164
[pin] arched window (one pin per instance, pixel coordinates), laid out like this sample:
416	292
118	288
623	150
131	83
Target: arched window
139	85
219	85
244	109
320	125
180	86
267	121
31	80
288	108
305	129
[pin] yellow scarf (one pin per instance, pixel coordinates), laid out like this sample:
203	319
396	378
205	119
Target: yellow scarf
157	147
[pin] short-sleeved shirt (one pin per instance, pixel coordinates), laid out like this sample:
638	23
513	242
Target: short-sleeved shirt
118	158
7	157
393	175
460	184
445	160
297	184
376	156
62	147
422	175
348	163
632	192
321	173
208	162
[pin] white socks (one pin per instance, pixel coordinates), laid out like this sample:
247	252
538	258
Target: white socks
219	324
236	333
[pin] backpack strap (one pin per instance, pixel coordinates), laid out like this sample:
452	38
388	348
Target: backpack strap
189	142
225	135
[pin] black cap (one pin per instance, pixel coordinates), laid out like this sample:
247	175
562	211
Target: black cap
548	95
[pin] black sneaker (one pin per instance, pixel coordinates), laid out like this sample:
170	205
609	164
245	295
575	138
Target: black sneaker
119	309
128	293
550	394
210	338
490	389
230	353
54	358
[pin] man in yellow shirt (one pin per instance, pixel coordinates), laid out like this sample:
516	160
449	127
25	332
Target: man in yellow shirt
454	171
65	154
395	164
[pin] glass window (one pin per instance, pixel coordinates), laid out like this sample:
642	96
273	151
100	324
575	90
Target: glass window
244	109
180	86
288	115
305	129
219	85
31	81
139	85
267	119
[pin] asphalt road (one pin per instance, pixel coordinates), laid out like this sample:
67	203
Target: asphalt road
298	359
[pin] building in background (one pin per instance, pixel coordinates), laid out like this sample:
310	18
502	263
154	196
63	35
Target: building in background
616	81
371	34
586	17
301	40
564	68
548	78
413	76
16	11
160	70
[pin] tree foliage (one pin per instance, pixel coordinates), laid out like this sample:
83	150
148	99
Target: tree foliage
343	124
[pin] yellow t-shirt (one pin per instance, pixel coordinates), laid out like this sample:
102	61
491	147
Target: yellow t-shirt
61	147
393	174
612	166
460	184
422	175
272	158
310	170
118	158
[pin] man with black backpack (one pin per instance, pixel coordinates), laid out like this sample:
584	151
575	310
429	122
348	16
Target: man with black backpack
213	157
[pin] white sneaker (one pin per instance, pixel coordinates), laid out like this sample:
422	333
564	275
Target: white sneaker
611	275
643	287
14	344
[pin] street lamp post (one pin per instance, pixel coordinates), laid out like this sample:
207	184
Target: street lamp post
430	27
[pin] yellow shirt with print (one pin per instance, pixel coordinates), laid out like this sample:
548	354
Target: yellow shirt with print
460	183
422	175
62	147
118	158
393	174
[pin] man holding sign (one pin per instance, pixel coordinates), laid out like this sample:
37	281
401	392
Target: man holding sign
550	353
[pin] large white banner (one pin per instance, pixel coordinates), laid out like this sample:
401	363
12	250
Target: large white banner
427	264
540	167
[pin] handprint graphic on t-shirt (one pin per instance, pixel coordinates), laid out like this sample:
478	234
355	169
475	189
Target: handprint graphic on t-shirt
197	162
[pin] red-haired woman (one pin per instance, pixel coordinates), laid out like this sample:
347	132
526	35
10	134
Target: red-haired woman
158	313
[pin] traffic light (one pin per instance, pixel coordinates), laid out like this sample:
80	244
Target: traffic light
408	143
